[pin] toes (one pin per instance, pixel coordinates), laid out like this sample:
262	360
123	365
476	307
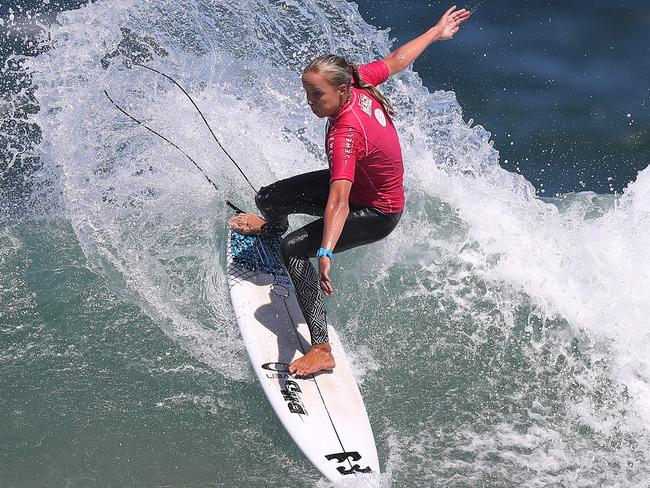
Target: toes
235	220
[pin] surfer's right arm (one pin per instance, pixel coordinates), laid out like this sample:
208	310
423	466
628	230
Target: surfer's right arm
336	211
445	29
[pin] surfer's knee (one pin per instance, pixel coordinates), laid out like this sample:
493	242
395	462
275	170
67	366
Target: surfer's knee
270	197
294	246
262	198
287	247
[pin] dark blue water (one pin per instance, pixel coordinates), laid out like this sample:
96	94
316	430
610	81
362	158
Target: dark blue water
564	87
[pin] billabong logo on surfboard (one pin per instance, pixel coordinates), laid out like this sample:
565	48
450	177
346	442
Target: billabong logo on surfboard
349	457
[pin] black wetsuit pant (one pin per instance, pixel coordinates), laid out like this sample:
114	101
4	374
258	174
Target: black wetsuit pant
307	194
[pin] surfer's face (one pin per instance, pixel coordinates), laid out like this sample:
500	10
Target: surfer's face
323	98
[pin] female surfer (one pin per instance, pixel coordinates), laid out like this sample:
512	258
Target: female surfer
360	197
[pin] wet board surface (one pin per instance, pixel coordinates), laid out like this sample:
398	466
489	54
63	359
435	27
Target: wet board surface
323	413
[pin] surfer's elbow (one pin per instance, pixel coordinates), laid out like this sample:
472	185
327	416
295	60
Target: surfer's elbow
395	63
338	206
339	203
339	195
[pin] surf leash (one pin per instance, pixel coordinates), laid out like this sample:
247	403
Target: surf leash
162	137
231	205
203	117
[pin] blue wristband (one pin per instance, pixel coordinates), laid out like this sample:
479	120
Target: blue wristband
324	252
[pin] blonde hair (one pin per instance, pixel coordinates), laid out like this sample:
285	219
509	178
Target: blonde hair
339	71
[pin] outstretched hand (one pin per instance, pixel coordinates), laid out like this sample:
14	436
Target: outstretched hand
324	275
450	22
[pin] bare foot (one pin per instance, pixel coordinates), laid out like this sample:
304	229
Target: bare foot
318	358
247	224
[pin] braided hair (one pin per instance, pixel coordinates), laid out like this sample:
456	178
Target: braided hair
339	71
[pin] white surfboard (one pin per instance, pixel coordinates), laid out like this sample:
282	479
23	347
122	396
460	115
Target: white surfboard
323	413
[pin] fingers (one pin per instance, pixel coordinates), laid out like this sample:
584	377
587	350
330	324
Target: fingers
324	275
460	16
456	19
457	15
448	12
326	285
326	288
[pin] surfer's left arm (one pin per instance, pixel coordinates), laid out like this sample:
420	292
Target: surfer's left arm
336	211
445	29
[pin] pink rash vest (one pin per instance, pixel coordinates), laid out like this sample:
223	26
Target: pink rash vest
363	147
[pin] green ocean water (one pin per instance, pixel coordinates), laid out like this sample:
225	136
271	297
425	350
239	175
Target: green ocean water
95	394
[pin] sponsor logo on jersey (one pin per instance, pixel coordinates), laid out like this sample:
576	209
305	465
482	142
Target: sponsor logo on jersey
365	102
349	144
381	118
